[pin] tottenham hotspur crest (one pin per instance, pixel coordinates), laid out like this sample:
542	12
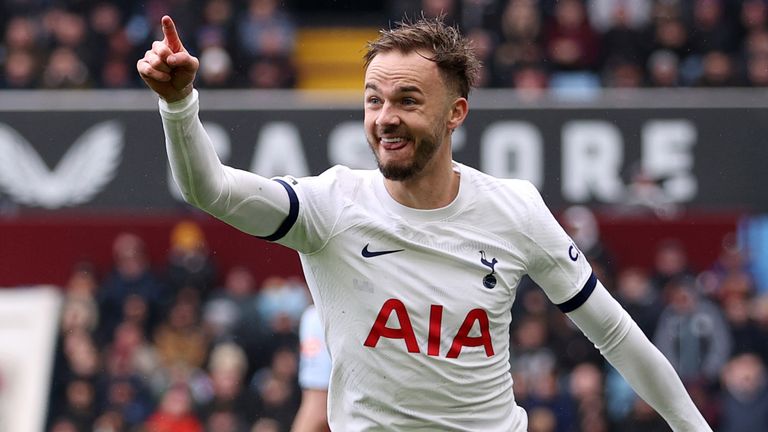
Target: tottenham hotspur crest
489	281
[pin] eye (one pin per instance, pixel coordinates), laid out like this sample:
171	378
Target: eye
374	100
409	101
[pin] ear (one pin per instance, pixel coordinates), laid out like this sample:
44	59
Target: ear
458	113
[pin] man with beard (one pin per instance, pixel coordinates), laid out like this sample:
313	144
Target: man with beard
412	267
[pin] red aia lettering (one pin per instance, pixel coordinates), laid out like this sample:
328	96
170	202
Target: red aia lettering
463	338
405	331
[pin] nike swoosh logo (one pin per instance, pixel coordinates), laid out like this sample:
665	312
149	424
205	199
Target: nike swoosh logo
370	254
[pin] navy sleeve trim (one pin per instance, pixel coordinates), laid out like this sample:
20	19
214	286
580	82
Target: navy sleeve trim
293	214
582	296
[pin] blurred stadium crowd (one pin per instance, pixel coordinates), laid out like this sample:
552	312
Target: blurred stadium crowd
194	347
190	346
532	44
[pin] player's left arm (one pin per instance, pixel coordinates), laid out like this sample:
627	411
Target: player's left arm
556	265
645	368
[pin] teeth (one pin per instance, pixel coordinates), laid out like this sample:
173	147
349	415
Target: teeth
392	140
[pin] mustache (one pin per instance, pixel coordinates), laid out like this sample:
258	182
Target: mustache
391	130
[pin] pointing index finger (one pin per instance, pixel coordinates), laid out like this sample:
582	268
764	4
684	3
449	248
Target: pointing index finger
171	35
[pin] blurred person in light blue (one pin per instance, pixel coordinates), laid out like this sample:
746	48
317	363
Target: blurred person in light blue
314	374
282	298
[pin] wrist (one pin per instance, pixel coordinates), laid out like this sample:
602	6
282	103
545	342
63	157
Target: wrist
177	107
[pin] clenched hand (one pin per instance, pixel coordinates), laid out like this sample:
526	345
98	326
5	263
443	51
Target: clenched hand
168	69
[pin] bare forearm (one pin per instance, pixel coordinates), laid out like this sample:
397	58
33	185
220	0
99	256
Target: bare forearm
312	416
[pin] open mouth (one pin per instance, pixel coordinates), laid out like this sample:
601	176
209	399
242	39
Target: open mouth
393	143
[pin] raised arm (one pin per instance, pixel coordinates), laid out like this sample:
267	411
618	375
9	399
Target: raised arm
168	68
245	200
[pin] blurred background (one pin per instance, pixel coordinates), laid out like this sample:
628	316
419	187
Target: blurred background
641	121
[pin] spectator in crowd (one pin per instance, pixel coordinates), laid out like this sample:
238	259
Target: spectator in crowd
642	418
718	70
266	35
710	30
753	16
745	395
65	70
757	71
731	273
547	393
663	69
75	365
131	351
520	45
746	335
131	275
231	399
80	406
190	265
530	81
180	338
175	413
585	384
635	292
231	312
251	44
20	71
79	308
271	321
216	42
607	14
479	13
692	334
570	42
484	45
532	357
622	73
759	314
668	30
127	398
622	27
277	388
64	425
670	262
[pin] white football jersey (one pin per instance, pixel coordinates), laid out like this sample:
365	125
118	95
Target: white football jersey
416	303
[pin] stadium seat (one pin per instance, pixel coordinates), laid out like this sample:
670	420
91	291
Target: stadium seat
331	57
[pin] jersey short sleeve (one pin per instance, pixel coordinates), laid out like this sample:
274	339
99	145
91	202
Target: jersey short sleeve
314	362
555	263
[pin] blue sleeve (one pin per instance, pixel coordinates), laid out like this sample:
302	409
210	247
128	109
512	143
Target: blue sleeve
314	362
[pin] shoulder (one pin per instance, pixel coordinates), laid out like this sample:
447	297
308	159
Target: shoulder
517	190
338	178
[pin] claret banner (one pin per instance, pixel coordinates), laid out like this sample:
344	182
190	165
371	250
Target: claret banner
105	150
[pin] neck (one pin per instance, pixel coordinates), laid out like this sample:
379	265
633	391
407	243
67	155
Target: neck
435	187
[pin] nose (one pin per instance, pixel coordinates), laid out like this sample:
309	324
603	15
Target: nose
387	116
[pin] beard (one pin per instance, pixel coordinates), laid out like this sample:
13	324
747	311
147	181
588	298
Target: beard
425	150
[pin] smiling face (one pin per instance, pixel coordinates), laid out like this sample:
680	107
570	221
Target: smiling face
409	114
